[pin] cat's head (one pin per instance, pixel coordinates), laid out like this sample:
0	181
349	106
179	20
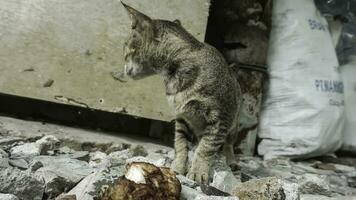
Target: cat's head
142	44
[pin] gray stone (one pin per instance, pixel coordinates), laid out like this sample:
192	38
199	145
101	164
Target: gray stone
8	197
48	144
9	140
117	158
204	197
59	173
188	193
266	189
138	150
70	169
96	158
314	184
225	181
117	147
344	168
65	150
4	163
160	162
40	147
3	154
213	191
21	184
54	184
80	155
186	181
19	163
26	151
92	185
67	197
321	197
303	167
158	159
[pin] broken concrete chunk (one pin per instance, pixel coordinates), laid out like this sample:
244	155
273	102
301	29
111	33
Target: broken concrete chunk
8	197
314	184
30	150
138	150
25	151
188	193
205	197
225	181
65	150
266	189
321	197
19	163
4	163
187	182
80	155
66	197
93	185
72	170
54	184
21	184
3	154
117	147
97	158
47	143
59	173
9	141
213	191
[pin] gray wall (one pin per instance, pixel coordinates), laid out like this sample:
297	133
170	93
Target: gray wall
77	43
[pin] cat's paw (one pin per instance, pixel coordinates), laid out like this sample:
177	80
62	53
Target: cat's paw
179	166
233	164
199	174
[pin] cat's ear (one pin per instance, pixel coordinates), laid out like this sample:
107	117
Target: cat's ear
138	19
176	21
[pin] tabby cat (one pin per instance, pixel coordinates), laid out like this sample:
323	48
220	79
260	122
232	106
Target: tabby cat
199	84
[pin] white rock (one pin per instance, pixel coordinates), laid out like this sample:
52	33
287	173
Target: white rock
70	169
321	197
188	193
91	185
225	181
8	197
160	162
40	147
204	197
26	151
97	158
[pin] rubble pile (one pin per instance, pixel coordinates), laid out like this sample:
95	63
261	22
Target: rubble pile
38	168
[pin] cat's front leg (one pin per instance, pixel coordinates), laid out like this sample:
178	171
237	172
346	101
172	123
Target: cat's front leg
203	156
181	148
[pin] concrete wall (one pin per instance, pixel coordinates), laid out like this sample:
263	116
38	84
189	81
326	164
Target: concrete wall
77	43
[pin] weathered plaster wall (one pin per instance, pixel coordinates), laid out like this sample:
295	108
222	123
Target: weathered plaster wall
77	43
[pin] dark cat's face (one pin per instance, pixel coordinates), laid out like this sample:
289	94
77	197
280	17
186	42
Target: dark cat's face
138	47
